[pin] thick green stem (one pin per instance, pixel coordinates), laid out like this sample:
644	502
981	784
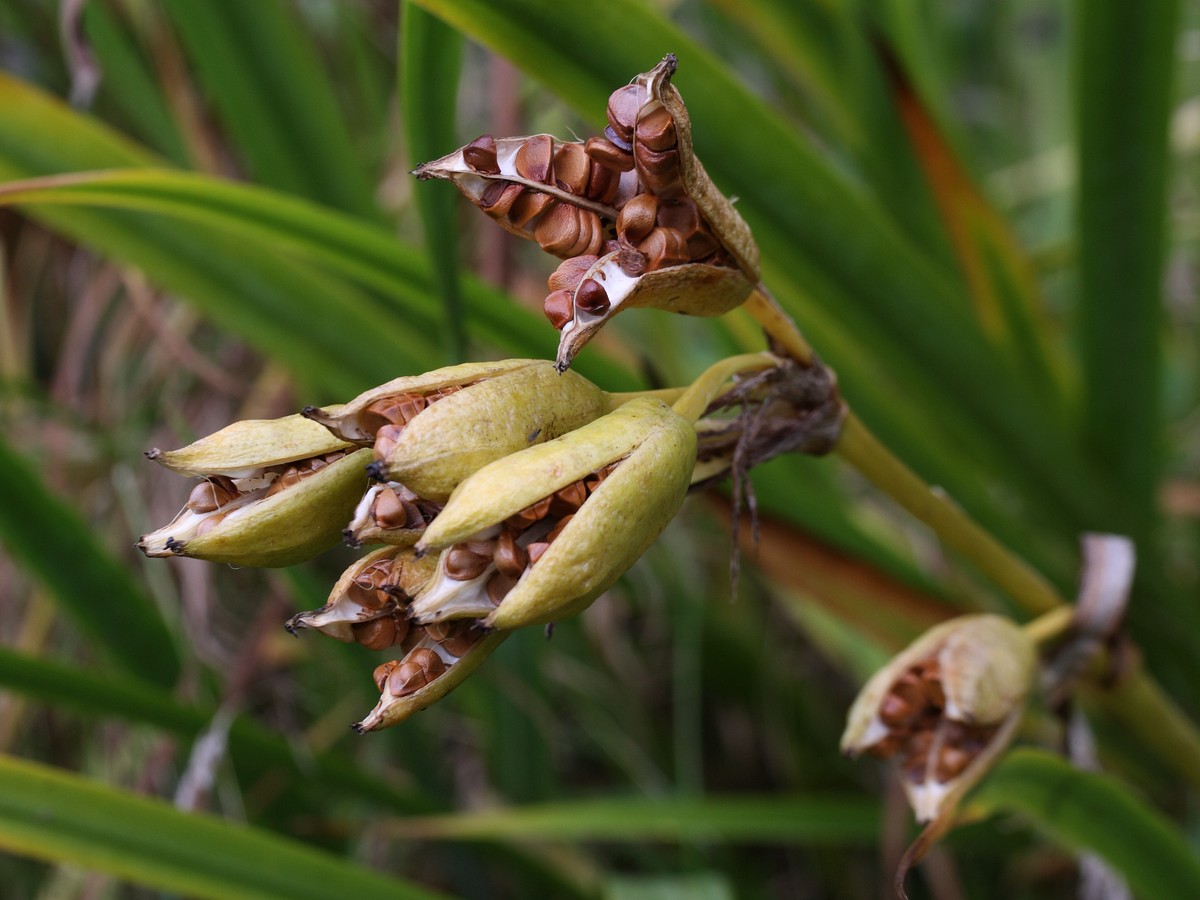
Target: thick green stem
706	388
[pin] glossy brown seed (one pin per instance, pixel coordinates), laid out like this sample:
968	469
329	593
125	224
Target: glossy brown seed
382	671
375	634
659	172
367	587
528	206
559	229
567	500
499	585
570	272
289	477
608	155
593	481
702	244
530	515
656	129
680	213
592	298
209	522
591	234
455	637
559	307
415	671
534	158
498	198
386	439
389	511
663	247
212	494
603	183
623	106
572	167
480	155
510	558
637	217
536	549
558	529
463	565
632	262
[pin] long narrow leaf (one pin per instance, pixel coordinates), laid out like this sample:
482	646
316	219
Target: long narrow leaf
53	815
1087	811
88	583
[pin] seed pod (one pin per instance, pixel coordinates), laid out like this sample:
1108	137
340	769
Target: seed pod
401	695
286	489
654	450
945	707
369	588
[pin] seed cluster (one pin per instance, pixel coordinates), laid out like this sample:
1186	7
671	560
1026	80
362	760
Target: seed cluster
390	513
522	538
928	744
219	495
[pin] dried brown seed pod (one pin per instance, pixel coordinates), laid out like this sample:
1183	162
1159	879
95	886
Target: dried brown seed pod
480	155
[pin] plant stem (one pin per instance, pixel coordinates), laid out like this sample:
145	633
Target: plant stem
707	387
1050	625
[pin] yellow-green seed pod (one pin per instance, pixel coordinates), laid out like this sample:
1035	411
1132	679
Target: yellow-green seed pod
655	449
945	707
260	528
249	446
499	411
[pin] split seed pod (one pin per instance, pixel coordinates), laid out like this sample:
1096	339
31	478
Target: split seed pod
945	707
377	585
484	411
276	492
653	449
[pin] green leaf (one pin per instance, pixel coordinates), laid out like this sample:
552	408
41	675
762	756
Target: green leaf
1093	812
824	821
273	94
430	60
1125	67
53	815
56	546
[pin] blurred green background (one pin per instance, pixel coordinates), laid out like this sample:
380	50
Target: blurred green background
984	217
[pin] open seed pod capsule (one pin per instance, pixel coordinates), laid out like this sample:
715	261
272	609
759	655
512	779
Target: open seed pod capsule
428	671
276	492
380	583
495	409
559	547
945	707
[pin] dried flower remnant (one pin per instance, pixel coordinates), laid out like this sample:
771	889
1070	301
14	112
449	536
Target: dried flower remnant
275	492
430	431
945	707
657	233
539	535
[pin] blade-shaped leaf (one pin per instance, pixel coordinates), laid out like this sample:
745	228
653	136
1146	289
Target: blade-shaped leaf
54	815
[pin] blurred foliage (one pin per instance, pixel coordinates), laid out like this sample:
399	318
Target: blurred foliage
984	217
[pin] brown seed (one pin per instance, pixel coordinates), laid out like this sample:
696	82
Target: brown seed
567	500
593	481
663	248
386	439
591	234
463	565
623	106
559	229
389	511
509	557
498	198
608	155
570	272
702	244
559	307
455	637
499	585
656	129
632	262
212	494
289	477
637	217
529	205
480	155
681	214
536	549
375	634
603	183
592	298
572	167
558	529
417	669
383	670
950	762
659	171
530	515
534	158
209	522
367	587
